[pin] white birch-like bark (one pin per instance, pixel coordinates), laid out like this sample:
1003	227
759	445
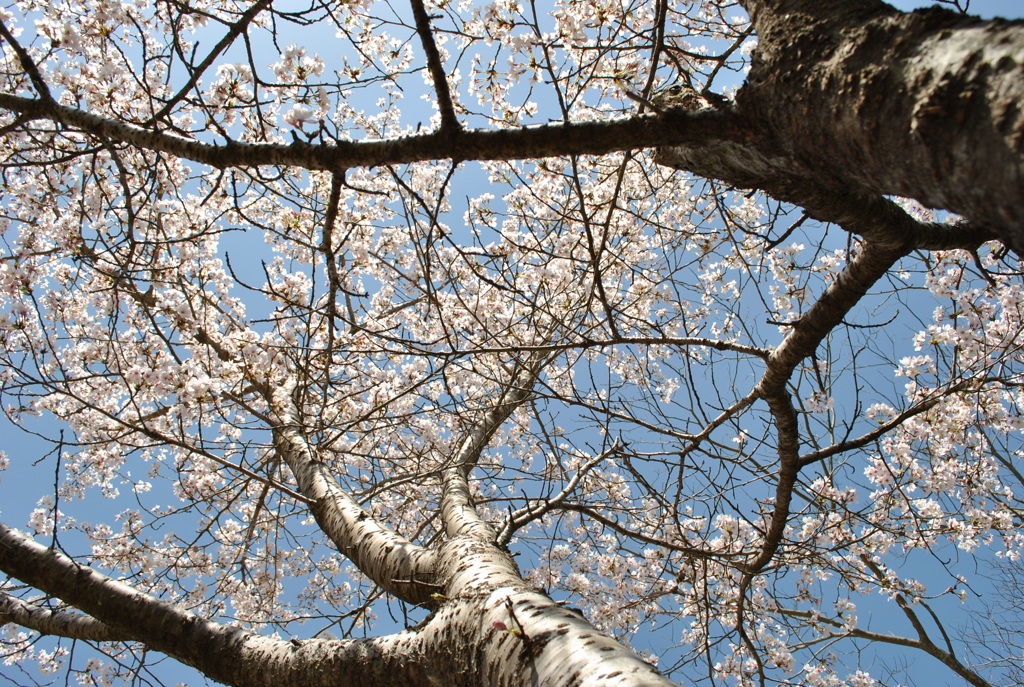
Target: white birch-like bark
488	626
400	567
491	628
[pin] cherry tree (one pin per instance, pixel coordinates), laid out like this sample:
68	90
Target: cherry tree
439	343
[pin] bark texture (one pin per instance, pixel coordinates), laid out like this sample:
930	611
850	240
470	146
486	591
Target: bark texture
850	101
491	629
847	102
582	138
925	105
396	564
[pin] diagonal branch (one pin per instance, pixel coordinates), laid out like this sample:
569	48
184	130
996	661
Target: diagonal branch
922	406
444	95
457	507
27	63
598	516
849	286
234	32
224	653
924	642
398	566
47	621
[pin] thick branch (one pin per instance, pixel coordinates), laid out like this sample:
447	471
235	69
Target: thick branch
924	105
519	633
828	311
768	168
583	138
398	566
457	510
27	63
47	621
463	644
222	652
849	286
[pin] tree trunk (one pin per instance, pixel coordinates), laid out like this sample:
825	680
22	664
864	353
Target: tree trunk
490	629
849	101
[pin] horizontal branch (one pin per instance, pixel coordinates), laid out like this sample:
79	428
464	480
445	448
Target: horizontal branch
816	617
587	343
673	127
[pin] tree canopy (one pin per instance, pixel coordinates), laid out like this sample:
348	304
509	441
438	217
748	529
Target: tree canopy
433	343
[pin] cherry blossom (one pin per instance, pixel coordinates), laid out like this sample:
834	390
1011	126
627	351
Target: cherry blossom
719	429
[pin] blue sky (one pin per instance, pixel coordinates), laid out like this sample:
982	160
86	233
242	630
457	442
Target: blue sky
24	450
